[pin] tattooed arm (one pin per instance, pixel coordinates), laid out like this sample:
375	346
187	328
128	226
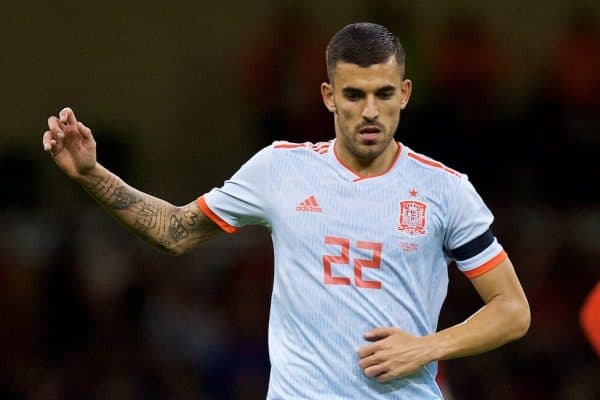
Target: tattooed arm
171	228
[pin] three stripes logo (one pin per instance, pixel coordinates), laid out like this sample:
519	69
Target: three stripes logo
309	205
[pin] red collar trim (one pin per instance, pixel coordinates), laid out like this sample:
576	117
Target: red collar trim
360	177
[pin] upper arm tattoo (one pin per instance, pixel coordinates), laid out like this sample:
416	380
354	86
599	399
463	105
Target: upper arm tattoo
197	223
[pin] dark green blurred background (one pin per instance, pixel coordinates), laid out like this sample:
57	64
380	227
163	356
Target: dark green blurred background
179	94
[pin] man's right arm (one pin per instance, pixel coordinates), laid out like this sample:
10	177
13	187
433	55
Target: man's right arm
173	229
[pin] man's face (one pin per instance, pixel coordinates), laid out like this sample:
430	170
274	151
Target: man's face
366	103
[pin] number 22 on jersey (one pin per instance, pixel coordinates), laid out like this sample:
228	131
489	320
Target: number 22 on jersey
343	258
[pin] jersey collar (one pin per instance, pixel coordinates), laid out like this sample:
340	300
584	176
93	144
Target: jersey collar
351	174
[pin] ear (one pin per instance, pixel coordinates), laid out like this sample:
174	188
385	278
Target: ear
327	94
406	88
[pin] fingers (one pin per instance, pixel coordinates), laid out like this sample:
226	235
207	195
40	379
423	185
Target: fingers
380	367
62	130
386	376
52	143
67	122
374	335
67	116
376	370
54	126
84	130
48	141
378	333
371	360
391	355
366	351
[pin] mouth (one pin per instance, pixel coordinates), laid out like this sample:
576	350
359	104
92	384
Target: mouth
369	133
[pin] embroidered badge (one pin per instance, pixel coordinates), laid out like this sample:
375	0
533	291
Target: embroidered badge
409	247
412	217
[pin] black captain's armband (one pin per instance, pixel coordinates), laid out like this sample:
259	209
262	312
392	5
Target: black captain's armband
473	247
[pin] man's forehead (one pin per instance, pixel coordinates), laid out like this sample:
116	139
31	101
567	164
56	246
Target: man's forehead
352	75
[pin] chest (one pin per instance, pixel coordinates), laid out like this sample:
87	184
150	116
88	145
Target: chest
398	212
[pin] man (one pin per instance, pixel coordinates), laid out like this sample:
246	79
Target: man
363	230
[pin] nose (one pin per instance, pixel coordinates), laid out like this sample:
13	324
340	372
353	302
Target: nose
370	112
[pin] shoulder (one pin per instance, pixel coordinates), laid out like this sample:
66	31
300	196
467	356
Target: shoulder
286	157
430	166
319	148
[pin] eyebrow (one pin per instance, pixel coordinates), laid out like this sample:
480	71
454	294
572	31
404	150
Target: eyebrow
353	90
387	88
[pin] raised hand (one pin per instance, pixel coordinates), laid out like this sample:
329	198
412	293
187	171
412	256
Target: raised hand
394	354
70	143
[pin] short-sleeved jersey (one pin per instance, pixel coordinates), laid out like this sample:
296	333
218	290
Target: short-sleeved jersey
352	254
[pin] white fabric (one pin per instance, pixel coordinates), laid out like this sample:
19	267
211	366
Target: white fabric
316	328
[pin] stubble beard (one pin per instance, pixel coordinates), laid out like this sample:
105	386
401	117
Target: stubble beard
363	152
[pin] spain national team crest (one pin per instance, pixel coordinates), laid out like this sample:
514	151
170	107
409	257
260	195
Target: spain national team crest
412	217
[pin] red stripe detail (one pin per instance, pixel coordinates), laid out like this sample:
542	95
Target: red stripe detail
452	171
320	147
288	146
201	202
313	201
359	177
432	163
487	266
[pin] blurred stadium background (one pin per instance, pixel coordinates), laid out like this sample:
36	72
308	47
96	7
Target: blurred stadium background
180	93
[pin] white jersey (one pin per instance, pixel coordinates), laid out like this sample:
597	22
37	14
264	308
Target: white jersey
352	254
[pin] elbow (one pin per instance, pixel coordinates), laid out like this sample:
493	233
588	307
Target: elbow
174	249
519	320
526	321
175	252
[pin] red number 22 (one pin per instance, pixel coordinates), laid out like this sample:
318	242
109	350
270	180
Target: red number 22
359	263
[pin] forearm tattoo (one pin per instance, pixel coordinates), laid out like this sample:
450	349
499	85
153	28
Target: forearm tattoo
176	229
152	218
124	199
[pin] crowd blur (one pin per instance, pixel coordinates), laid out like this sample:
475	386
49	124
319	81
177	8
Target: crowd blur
90	312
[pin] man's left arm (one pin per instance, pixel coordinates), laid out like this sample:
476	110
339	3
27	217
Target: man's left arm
504	317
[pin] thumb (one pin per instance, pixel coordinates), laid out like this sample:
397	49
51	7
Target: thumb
378	333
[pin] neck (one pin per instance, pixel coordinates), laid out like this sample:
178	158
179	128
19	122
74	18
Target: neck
368	167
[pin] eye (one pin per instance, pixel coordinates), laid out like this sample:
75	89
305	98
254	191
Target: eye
353	95
386	94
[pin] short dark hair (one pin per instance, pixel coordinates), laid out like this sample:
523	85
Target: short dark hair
363	44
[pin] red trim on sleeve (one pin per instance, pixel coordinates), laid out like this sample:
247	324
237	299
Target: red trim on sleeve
214	217
289	145
432	163
489	265
590	318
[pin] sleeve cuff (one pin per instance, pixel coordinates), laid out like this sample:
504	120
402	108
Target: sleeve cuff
486	266
203	206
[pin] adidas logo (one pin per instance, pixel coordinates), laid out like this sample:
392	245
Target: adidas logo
309	205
